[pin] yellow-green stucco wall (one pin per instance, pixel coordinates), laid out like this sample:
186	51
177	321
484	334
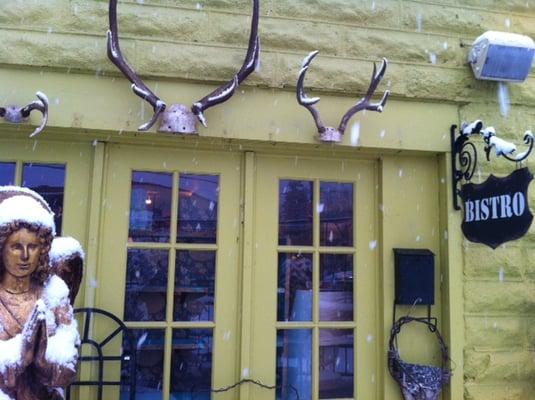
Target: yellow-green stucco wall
186	48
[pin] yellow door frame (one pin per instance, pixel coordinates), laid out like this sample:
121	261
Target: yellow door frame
122	160
268	171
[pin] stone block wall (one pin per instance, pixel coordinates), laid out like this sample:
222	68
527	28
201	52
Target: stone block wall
499	289
426	42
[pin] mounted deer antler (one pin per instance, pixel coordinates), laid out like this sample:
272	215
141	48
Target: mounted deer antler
226	91
17	115
179	118
331	134
116	57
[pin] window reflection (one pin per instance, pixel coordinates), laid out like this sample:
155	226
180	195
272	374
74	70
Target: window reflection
336	363
295	212
146	285
197	208
49	181
194	286
150	207
294	292
191	364
336	287
149	364
7	173
294	364
336	216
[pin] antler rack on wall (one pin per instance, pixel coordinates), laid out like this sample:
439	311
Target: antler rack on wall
330	133
18	115
179	118
464	152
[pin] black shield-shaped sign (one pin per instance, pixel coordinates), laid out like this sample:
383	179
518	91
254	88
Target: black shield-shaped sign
497	211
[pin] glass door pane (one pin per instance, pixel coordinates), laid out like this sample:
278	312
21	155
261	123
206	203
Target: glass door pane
7	173
150	207
294	363
150	365
49	181
197	213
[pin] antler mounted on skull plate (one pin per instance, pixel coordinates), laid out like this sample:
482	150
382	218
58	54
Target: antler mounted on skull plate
17	115
328	133
179	118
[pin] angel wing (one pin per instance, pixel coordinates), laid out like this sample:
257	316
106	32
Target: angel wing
67	262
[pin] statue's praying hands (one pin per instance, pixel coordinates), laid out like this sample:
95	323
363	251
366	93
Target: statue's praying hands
31	332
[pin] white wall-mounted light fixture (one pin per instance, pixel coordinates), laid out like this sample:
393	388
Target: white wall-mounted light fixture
502	56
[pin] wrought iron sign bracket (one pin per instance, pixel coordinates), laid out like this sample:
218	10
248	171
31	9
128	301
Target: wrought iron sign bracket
464	152
18	115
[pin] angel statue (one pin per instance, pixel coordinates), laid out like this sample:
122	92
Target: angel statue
39	339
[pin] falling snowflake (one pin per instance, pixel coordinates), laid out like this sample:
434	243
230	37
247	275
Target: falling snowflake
419	22
503	99
355	134
141	340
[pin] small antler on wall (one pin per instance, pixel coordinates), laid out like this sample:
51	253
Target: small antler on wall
328	133
464	152
179	118
17	115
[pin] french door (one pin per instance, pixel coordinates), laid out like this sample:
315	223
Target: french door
229	266
314	279
170	267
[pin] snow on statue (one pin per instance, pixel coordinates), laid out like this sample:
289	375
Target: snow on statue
39	339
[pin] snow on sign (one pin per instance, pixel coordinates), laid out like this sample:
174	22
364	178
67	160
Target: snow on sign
497	211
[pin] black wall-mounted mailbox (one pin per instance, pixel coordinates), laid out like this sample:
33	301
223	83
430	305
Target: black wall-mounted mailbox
415	276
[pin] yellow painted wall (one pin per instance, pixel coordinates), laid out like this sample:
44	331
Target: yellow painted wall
187	48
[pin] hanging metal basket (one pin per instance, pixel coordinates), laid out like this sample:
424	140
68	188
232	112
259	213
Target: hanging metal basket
418	382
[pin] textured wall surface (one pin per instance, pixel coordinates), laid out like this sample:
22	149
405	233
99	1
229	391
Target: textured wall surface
499	290
426	43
